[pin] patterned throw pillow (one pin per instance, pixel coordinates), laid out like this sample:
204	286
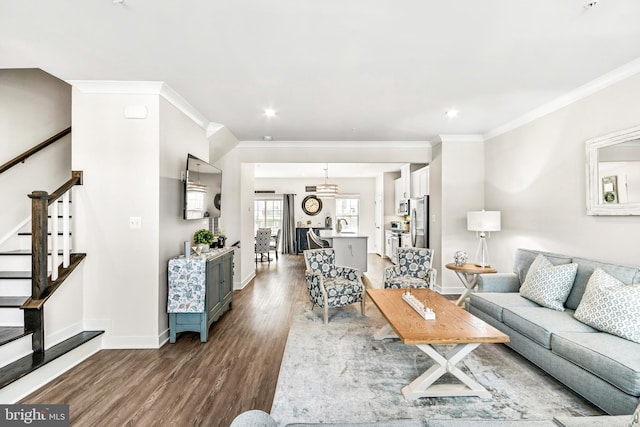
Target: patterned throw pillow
611	306
547	284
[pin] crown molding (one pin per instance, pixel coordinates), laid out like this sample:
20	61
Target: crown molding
581	92
461	138
335	144
147	88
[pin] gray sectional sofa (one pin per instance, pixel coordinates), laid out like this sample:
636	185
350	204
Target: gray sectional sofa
601	367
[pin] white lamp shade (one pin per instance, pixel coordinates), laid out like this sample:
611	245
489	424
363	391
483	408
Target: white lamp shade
483	221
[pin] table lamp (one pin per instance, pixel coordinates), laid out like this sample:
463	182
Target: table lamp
482	222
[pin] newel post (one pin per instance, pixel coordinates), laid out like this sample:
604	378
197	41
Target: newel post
39	214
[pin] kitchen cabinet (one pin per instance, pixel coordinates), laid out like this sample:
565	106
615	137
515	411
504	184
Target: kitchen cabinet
405	177
420	183
392	242
200	291
399	191
350	249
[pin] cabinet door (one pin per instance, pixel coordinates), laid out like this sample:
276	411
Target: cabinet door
226	277
399	189
214	271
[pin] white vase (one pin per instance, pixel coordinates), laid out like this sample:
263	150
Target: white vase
204	248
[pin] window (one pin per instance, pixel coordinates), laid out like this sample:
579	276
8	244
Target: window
348	208
268	213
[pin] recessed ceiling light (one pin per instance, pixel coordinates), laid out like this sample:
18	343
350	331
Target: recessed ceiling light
451	113
267	138
269	112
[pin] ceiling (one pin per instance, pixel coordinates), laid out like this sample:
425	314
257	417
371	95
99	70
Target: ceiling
334	70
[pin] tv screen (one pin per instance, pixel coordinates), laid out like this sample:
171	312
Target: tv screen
202	189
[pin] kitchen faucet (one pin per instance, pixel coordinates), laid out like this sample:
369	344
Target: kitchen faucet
339	224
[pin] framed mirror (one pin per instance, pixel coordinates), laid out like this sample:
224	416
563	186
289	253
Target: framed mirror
613	173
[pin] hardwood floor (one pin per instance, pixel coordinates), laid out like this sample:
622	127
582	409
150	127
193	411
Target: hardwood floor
189	382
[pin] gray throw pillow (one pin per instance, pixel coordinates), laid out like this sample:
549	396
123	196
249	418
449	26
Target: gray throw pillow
547	284
611	306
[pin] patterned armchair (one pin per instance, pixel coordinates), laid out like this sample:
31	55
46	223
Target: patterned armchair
413	269
330	285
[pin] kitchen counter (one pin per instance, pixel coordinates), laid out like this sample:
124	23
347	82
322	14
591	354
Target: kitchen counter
331	234
350	248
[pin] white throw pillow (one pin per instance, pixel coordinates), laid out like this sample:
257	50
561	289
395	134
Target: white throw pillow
547	284
611	306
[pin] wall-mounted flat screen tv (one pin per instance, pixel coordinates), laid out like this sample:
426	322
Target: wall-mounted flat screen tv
202	189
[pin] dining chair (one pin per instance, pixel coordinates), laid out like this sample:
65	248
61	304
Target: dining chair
315	242
274	243
263	237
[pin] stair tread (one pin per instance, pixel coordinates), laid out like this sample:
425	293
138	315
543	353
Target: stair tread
13	301
21	367
11	333
15	275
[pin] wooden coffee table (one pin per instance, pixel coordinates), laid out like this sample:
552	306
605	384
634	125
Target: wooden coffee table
452	325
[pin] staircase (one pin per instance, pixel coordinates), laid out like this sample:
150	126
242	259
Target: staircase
33	265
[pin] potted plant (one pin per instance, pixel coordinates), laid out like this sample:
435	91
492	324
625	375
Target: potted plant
203	238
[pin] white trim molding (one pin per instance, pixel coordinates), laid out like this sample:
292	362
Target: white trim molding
147	88
335	144
583	91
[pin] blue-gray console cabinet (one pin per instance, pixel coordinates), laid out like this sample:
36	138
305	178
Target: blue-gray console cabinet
200	291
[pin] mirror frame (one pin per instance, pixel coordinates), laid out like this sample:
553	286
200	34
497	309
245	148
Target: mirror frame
594	206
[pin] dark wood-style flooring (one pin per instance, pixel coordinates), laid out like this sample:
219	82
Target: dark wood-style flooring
190	383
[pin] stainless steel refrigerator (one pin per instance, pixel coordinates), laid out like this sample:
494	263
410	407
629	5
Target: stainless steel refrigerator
419	217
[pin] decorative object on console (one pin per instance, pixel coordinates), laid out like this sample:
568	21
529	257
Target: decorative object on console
482	222
460	258
203	238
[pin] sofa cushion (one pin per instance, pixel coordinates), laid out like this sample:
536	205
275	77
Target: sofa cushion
538	323
586	267
611	306
611	358
547	284
493	303
525	257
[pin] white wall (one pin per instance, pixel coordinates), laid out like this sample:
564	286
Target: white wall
179	136
34	106
121	160
456	187
536	173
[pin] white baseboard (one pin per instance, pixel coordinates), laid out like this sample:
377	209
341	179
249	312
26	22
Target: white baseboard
35	380
238	286
449	290
61	335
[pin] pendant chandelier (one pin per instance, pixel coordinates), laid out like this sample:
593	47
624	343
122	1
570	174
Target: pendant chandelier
326	190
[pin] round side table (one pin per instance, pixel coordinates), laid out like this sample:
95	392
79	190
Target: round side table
468	275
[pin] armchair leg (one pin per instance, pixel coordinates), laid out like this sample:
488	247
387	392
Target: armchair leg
362	306
326	313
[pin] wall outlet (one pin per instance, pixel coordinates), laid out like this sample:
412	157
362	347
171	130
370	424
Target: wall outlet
135	222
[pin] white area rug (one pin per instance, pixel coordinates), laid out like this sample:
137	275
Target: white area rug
339	373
